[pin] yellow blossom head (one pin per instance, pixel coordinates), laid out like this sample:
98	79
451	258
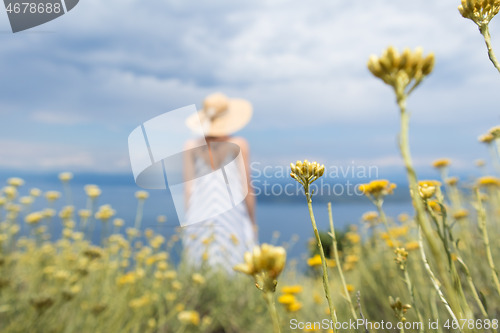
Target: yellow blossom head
488	181
441	163
265	263
427	188
52	196
15	181
141	195
370	217
403	71
33	218
292	289
479	11
189	317
377	188
306	172
92	191
65	176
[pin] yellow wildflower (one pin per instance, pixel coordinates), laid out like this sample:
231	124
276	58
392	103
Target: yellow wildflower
427	188
26	200
370	217
377	188
140	302
105	212
488	181
479	11
198	279
306	172
92	191
33	218
65	176
460	214
413	245
314	261
10	192
265	263
141	195
294	307
52	196
292	289
404	72
353	237
15	181
451	181
35	192
286	299
189	317
486	138
441	163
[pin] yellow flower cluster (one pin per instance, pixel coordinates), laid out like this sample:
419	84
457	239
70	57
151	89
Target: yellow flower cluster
105	212
370	217
189	317
488	181
33	218
65	176
401	257
289	300
15	181
479	11
377	188
265	263
441	163
400	70
52	196
306	172
92	191
315	261
427	188
141	195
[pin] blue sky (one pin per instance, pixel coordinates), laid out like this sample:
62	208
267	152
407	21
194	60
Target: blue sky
73	89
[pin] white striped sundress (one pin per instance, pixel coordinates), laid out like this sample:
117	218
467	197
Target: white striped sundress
219	242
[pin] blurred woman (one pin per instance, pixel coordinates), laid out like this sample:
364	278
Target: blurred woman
216	175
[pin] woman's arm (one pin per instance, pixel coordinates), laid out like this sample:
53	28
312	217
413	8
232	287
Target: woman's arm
188	171
250	198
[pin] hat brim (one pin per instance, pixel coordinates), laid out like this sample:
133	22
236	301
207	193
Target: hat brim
237	115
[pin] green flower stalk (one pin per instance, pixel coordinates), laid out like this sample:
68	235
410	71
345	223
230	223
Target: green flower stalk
481	214
306	173
404	73
141	197
337	260
481	12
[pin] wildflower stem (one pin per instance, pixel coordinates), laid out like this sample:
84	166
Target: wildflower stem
138	216
326	284
420	217
378	203
485	31
434	280
411	291
269	296
337	260
481	215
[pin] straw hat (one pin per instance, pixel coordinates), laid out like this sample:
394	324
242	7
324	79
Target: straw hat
221	115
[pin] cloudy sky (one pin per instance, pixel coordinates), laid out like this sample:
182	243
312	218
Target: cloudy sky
73	89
